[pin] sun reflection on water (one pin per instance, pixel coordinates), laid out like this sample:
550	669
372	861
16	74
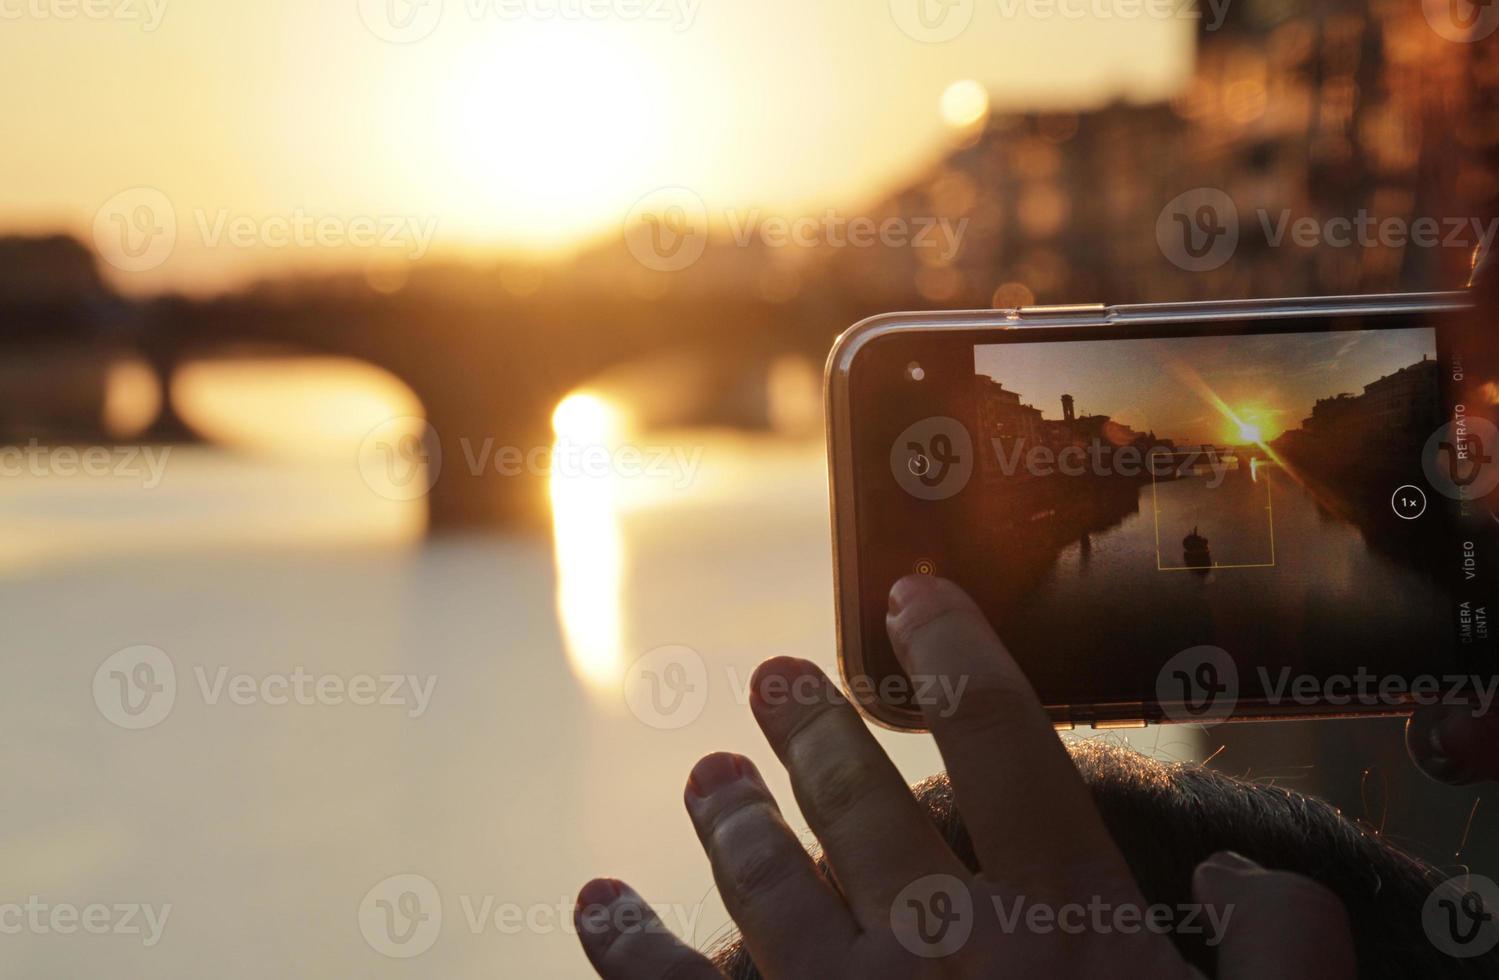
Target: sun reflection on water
589	543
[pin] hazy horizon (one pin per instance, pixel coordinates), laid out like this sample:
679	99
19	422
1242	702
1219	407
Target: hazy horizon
529	135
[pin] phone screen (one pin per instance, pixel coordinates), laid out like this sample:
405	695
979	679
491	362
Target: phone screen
1298	510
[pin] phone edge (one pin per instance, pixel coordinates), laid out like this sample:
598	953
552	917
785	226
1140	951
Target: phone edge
841	499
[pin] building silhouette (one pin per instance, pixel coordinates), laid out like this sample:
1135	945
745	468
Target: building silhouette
1295	110
1391	417
1006	429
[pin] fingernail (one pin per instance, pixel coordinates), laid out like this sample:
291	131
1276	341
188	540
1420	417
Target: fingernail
907	590
598	892
1463	738
714	772
1223	878
775	681
1231	862
1427	734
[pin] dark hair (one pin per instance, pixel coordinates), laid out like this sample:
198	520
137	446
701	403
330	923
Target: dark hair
1168	817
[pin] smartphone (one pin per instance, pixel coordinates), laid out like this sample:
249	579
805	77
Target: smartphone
1178	513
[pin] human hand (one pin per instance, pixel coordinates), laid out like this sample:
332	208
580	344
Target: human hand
904	904
1451	744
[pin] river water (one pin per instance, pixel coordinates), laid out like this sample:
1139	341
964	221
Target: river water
1291	584
281	823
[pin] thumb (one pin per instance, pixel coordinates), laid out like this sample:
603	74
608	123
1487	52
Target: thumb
1274	925
1453	743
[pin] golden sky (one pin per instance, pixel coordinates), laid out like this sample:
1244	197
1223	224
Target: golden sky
511	124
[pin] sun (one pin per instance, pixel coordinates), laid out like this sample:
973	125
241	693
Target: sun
964	104
1248	425
535	135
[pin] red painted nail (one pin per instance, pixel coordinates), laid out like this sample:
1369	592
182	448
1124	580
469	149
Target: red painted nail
714	772
598	892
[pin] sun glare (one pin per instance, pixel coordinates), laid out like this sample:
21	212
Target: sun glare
589	544
964	104
545	133
1251	425
583	417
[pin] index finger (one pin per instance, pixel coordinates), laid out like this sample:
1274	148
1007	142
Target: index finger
1028	811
